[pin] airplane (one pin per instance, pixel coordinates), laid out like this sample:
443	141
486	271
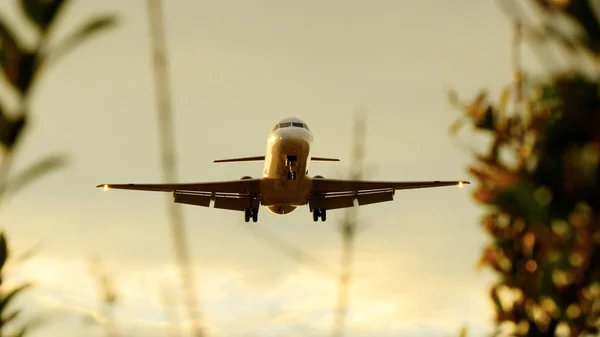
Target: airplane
285	184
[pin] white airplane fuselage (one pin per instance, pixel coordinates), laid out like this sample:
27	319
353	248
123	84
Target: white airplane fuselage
288	150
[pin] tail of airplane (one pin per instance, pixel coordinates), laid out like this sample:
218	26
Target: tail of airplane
259	158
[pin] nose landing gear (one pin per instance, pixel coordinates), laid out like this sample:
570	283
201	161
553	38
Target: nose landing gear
291	163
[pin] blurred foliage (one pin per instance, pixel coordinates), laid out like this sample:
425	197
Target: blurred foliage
539	181
21	69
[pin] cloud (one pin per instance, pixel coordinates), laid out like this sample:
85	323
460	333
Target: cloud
302	300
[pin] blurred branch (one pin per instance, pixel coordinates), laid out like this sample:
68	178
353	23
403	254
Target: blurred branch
516	65
166	134
348	231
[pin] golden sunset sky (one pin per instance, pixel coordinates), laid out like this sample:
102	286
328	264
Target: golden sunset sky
236	68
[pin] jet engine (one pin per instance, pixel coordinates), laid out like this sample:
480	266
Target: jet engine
245	178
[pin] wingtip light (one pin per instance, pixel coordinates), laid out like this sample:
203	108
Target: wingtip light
105	187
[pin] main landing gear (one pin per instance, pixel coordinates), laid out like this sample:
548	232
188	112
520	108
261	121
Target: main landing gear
251	213
319	213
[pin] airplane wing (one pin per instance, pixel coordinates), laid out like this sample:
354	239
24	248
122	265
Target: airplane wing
237	160
232	195
259	158
334	193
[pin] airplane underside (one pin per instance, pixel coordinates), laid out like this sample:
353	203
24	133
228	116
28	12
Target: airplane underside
285	184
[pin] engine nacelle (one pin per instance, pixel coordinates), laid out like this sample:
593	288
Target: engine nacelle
245	178
319	177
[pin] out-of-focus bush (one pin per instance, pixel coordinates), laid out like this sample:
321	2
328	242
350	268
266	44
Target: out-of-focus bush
539	182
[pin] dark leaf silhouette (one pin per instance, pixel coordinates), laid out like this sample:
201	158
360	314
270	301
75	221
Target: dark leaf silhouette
27	70
42	13
21	67
6	299
10	130
11	53
3	251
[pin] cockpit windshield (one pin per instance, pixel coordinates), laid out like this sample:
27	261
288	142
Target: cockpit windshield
290	124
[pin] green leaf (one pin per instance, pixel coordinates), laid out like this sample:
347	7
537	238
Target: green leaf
3	251
42	12
35	171
84	32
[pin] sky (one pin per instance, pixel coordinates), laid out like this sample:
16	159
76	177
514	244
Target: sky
236	68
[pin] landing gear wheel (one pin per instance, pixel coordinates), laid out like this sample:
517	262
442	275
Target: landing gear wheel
319	213
251	213
291	175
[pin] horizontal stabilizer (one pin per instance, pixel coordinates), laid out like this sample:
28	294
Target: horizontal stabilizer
323	159
259	158
235	160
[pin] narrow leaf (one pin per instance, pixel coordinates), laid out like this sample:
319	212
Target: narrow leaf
32	324
5	300
35	171
3	251
11	316
456	126
91	27
454	100
30	253
42	13
11	53
27	70
10	130
503	101
480	98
